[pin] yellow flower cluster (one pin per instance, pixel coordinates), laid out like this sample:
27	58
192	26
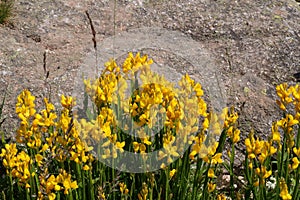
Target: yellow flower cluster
156	103
54	156
259	150
61	182
145	100
17	164
288	95
212	123
211	187
282	142
133	63
286	124
65	142
46	137
230	123
284	94
144	193
25	108
295	160
123	188
284	193
102	89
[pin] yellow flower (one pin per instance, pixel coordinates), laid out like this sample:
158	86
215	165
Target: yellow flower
51	184
106	154
67	102
65	179
297	151
256	183
120	145
253	146
39	159
123	188
198	89
132	64
143	194
213	159
111	66
9	155
266	173
217	159
44	148
296	163
234	134
250	165
266	151
86	167
287	122
211	173
205	123
296	92
46	119
136	146
263	173
65	120
172	173
51	196
25	107
169	151
275	133
211	187
284	193
285	95
221	197
281	105
230	117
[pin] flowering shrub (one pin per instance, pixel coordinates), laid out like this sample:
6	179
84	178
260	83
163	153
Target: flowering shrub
147	141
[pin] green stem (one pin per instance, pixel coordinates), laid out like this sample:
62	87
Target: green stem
296	189
113	176
205	183
287	166
132	186
196	177
27	193
231	172
81	179
282	157
151	193
11	186
279	161
91	185
298	138
58	196
70	196
167	183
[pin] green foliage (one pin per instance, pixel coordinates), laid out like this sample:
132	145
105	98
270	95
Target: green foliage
5	10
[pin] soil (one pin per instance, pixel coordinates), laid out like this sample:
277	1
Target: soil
248	47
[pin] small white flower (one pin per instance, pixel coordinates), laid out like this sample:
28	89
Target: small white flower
272	183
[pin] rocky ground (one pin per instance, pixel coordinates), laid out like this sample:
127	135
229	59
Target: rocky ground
251	46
